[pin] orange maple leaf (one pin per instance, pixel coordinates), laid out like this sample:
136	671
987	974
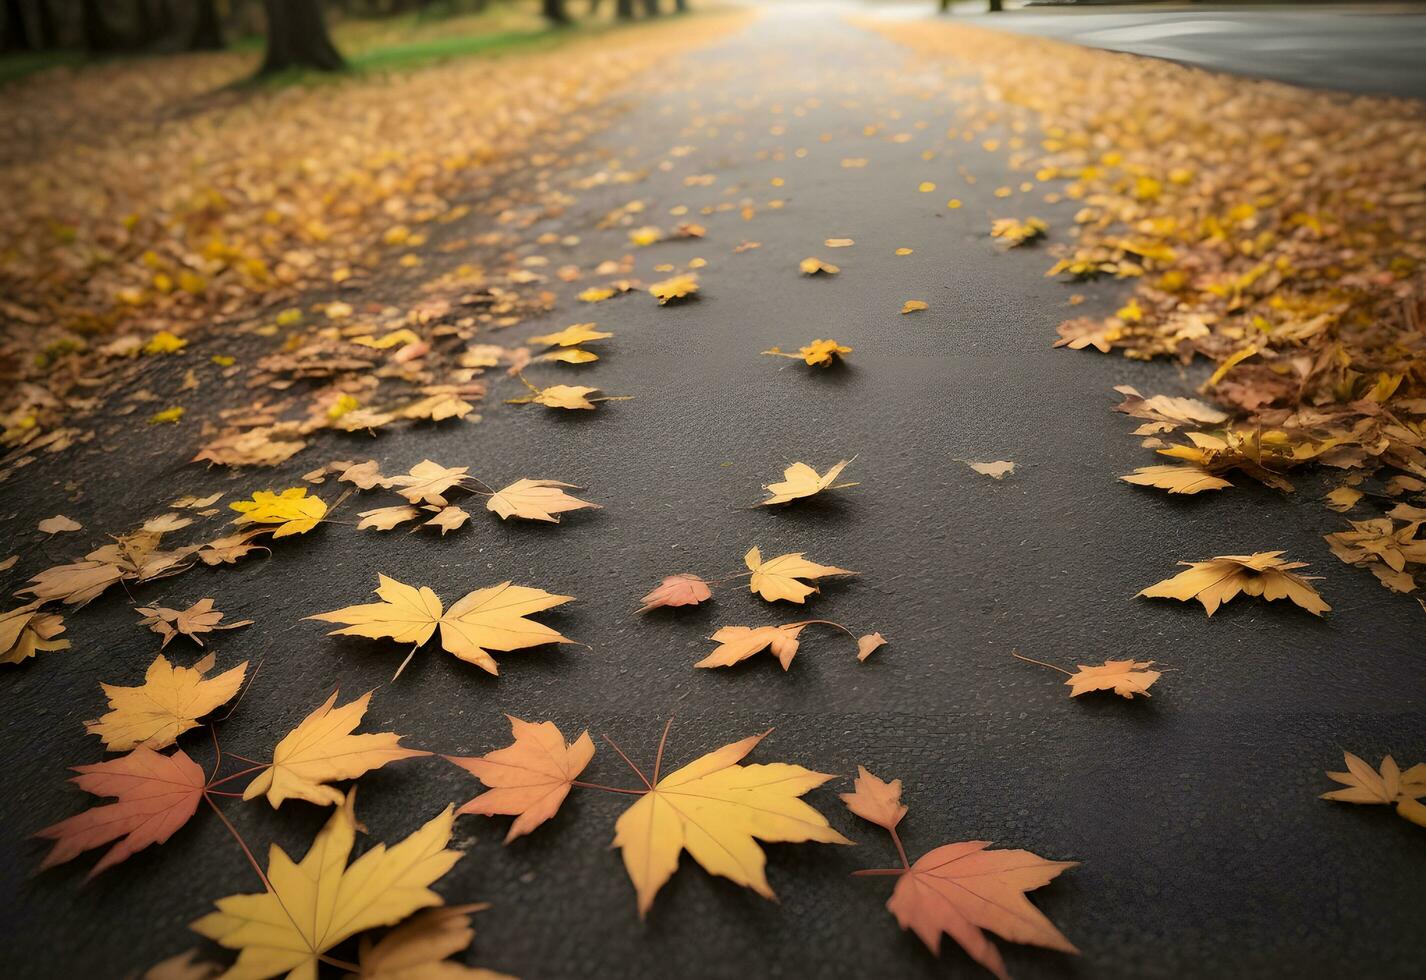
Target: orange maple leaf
157	794
529	778
962	889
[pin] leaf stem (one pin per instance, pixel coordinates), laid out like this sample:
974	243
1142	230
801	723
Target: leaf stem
876	872
339	964
658	757
608	789
236	775
247	851
1041	663
637	771
406	661
900	850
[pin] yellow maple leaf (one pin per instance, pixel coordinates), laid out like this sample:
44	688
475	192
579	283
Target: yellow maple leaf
314	904
417	949
777	578
1218	580
322	749
164	342
1176	479
717	810
572	336
535	500
913	306
292	511
595	294
1125	678
675	288
813	266
819	353
486	619
800	480
738	643
1390	786
25	631
570	355
168	703
564	396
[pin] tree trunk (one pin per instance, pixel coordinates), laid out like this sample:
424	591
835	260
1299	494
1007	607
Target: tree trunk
207	28
46	30
297	37
995	6
651	7
554	12
680	6
624	9
17	35
99	37
945	6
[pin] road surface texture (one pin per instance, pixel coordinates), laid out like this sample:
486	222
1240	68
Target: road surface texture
1204	848
1375	50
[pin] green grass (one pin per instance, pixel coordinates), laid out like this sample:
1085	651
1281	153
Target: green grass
17	66
399	57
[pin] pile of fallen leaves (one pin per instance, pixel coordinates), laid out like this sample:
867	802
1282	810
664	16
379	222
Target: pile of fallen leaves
1278	232
176	210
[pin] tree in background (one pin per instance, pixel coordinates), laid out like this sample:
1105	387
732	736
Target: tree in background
297	37
554	12
207	27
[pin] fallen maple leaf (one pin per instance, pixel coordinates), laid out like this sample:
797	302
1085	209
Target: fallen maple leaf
960	889
1390	786
198	618
322	749
1218	580
332	901
869	644
819	353
683	589
168	703
572	336
998	470
157	794
1125	678
777	578
417	948
25	631
427	482
491	618
1014	232
535	500
528	779
717	810
292	511
675	289
812	267
914	306
738	643
800	480
1185	478
565	396
59	524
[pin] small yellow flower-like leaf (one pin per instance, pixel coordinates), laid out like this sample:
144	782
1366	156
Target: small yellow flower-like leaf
292	511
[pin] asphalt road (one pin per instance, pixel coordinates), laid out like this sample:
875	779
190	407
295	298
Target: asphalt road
1365	48
1204	849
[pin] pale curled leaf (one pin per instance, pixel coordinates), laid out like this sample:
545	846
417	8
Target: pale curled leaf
683	589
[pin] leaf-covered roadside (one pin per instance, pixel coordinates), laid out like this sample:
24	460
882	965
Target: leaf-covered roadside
181	211
1278	232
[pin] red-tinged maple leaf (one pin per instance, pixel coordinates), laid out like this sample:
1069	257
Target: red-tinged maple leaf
157	794
683	589
962	890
